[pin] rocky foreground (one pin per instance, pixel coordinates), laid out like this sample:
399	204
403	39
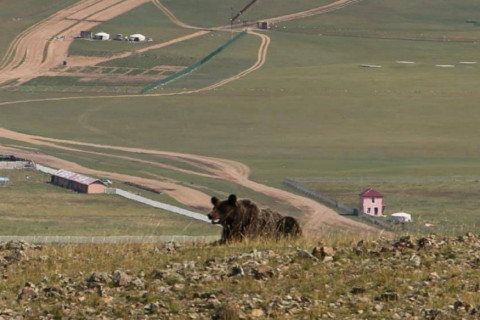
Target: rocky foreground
407	278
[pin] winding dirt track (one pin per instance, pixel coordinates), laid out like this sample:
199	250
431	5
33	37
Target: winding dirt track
25	60
316	215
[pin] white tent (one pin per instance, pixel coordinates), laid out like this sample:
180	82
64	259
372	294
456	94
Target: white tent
136	37
401	217
4	182
101	36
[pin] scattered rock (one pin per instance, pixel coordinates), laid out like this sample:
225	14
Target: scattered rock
257	313
97	278
120	278
307	255
357	290
387	296
28	292
263	272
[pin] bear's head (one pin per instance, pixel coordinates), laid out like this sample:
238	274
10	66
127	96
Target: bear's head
222	210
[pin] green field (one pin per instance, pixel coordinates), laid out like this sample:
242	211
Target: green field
311	111
32	206
420	20
449	204
213	13
180	54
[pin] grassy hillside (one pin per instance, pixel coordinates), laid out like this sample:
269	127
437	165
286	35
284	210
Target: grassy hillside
421	20
213	13
312	109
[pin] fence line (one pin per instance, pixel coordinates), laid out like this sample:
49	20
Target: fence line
319	196
336	204
44	169
160	205
109	239
194	66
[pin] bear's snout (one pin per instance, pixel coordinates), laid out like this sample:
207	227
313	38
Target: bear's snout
214	220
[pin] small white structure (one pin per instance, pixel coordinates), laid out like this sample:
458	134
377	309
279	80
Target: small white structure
401	217
4	182
137	37
101	36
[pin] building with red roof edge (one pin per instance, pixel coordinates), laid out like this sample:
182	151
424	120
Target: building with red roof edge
371	202
77	182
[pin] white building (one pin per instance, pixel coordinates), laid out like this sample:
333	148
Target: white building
101	36
137	37
401	217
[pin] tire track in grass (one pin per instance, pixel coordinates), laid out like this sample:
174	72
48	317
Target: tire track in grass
171	16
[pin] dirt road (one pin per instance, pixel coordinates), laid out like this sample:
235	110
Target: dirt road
45	45
315	214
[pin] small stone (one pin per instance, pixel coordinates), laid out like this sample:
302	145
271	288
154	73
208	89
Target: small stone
377	307
138	283
178	287
256	313
99	277
327	259
307	255
237	271
415	260
28	293
357	290
387	296
151	308
263	271
433	276
120	278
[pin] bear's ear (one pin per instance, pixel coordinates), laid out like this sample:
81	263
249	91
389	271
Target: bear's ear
214	201
232	199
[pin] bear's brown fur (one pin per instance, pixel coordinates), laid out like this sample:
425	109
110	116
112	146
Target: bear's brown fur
243	219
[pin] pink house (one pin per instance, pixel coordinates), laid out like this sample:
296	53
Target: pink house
371	202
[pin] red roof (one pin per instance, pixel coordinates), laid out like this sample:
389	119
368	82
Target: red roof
76	177
370	192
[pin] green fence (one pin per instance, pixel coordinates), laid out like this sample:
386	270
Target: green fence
194	66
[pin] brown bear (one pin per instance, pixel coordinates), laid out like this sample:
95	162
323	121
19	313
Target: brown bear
243	219
288	227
